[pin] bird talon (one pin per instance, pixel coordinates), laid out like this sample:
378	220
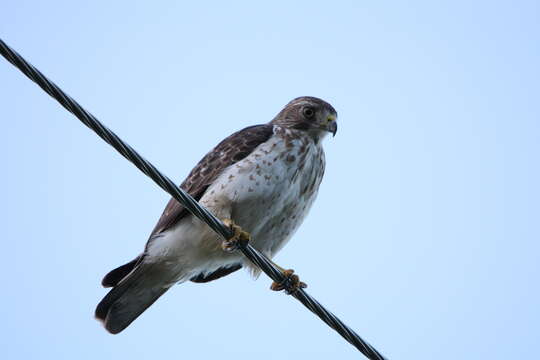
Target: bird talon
239	239
290	284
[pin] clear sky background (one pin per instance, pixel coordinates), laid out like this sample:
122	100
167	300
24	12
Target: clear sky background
425	235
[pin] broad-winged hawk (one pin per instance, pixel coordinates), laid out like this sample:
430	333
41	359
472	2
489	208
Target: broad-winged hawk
264	178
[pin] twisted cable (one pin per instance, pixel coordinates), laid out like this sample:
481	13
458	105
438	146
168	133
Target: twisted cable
184	198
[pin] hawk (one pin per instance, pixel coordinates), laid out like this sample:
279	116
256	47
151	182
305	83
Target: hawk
263	178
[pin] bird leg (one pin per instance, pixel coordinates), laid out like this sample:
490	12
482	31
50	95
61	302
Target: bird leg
290	284
239	239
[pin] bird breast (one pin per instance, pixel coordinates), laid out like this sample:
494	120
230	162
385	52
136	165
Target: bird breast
270	192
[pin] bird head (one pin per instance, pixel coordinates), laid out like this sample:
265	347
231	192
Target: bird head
310	114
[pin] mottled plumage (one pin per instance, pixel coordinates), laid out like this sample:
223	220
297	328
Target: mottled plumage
264	177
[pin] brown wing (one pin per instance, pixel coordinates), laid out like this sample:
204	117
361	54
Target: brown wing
219	273
231	150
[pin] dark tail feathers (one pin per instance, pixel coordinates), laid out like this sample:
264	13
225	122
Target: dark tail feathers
114	276
128	299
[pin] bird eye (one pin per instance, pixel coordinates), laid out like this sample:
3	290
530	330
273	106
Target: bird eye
308	112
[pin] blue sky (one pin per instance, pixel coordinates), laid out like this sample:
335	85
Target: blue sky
424	238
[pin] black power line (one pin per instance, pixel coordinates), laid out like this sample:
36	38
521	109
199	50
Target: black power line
184	198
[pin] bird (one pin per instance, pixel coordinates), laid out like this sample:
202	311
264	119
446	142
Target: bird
261	180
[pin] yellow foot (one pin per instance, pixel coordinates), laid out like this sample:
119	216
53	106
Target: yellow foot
239	239
290	284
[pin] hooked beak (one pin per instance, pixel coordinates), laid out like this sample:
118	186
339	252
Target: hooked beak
332	127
